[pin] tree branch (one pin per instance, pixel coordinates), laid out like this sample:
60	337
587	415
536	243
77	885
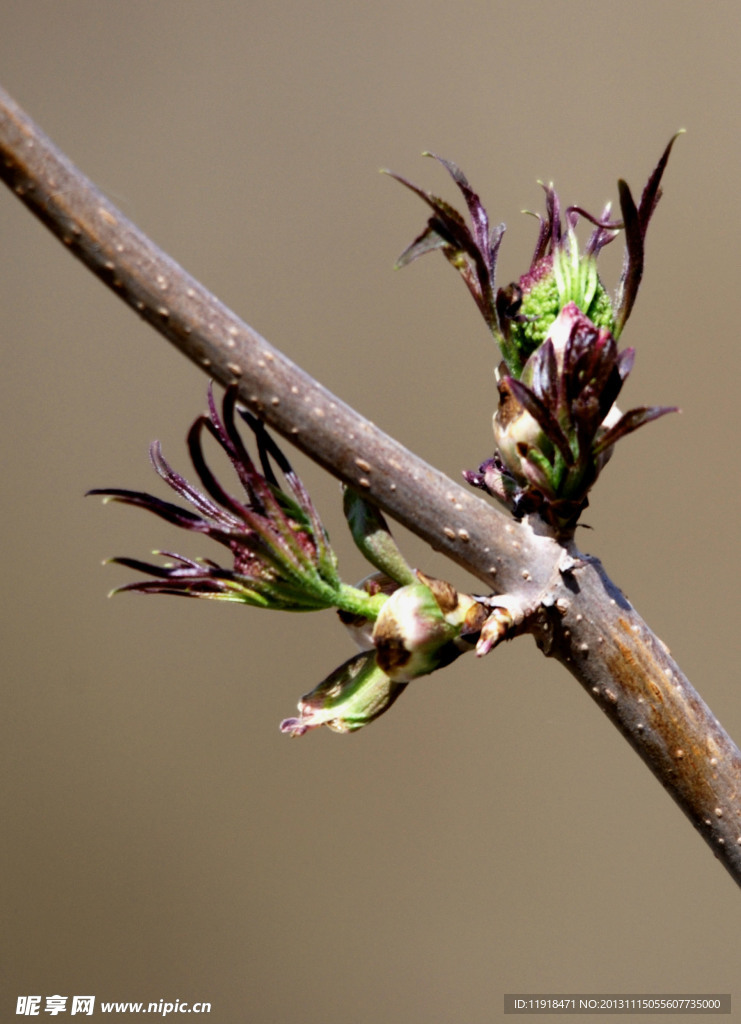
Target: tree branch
576	614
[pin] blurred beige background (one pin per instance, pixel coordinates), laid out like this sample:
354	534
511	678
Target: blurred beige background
493	833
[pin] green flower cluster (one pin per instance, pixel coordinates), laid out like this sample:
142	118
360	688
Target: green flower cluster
556	328
406	623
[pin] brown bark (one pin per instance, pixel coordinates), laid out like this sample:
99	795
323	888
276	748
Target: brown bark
575	612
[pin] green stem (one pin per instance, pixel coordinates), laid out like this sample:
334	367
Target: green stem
358	602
